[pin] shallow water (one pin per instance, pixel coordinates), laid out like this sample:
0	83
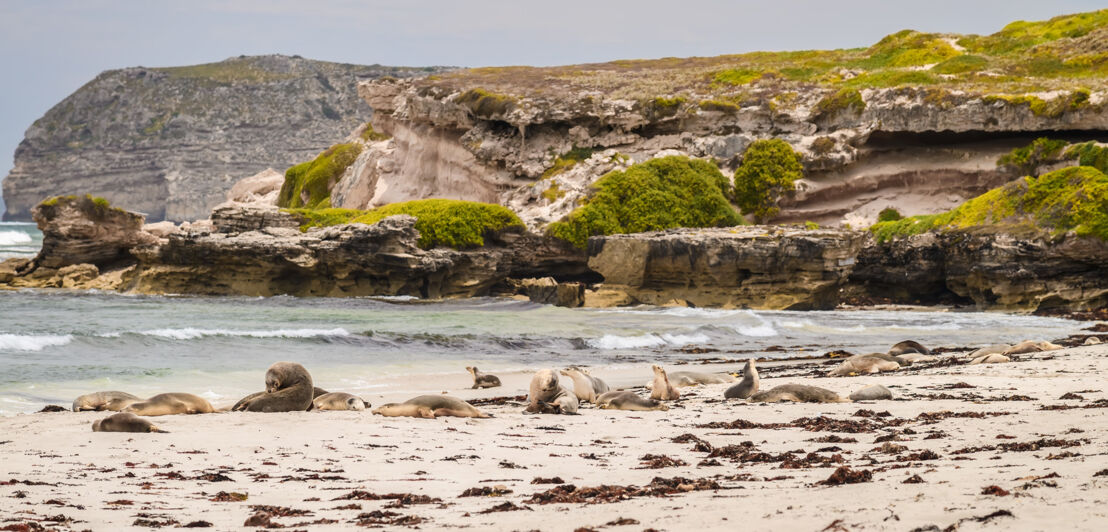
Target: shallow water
57	345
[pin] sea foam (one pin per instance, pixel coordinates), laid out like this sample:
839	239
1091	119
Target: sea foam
11	238
190	333
20	342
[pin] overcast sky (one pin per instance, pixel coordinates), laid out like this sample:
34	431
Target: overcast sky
49	48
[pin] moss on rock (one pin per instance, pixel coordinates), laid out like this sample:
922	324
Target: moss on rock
309	184
486	104
1027	159
840	100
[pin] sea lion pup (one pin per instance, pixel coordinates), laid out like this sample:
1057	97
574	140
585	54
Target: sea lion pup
585	386
113	401
430	406
483	380
625	400
663	390
288	388
1028	346
124	422
167	404
861	364
546	395
872	393
749	384
992	358
797	393
339	401
908	346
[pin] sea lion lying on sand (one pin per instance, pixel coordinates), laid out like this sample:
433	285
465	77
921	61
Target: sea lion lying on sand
872	393
907	359
797	393
585	386
749	384
166	404
430	406
908	346
1028	346
546	395
482	380
339	401
288	388
861	364
663	390
682	379
124	422
625	400
113	401
992	358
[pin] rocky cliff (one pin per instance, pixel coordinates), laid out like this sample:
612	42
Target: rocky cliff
170	142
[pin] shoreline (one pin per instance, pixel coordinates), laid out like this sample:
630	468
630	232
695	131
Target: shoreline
338	466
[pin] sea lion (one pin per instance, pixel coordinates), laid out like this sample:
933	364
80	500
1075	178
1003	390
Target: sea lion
482	380
749	384
113	401
988	350
1028	346
339	401
682	379
872	393
663	390
1092	340
907	359
861	364
585	386
124	422
908	346
430	406
288	388
625	400
992	358
547	395
166	404
797	393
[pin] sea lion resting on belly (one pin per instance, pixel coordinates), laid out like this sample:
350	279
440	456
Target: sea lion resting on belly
339	401
288	388
124	422
797	393
165	404
430	406
871	363
113	401
625	400
546	395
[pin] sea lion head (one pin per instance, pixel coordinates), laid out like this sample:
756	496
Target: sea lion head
547	380
569	371
472	370
355	403
96	425
283	375
658	370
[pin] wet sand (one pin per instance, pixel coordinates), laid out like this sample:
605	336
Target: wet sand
969	447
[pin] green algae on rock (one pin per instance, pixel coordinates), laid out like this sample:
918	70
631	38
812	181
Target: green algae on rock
309	184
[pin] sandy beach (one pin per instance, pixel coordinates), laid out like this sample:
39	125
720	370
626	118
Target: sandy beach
1016	446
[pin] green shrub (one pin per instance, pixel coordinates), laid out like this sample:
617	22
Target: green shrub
841	100
309	184
769	170
1028	159
811	226
737	76
441	222
486	104
1070	199
568	160
657	194
888	214
720	106
908	48
823	145
961	64
665	107
1089	154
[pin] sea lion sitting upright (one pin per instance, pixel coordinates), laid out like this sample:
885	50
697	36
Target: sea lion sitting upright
430	406
483	380
625	400
585	386
797	393
908	346
113	401
546	395
860	364
339	401
124	422
663	390
288	388
167	404
1028	346
749	384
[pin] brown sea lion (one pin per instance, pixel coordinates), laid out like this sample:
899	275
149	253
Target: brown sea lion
339	401
862	364
113	401
992	358
483	380
585	386
288	388
167	404
124	422
430	406
663	390
908	346
546	395
797	393
625	400
748	386
1028	346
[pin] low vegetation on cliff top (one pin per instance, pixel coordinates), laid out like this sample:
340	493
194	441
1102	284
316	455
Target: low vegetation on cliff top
1063	53
309	184
661	193
95	207
1071	199
441	222
1045	151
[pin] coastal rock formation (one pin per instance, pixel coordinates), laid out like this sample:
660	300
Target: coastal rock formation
753	266
86	230
171	141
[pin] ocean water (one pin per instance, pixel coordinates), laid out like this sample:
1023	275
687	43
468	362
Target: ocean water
19	239
56	345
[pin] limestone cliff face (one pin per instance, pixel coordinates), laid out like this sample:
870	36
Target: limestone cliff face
170	142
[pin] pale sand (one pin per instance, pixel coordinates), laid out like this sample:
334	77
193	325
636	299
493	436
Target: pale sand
272	458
